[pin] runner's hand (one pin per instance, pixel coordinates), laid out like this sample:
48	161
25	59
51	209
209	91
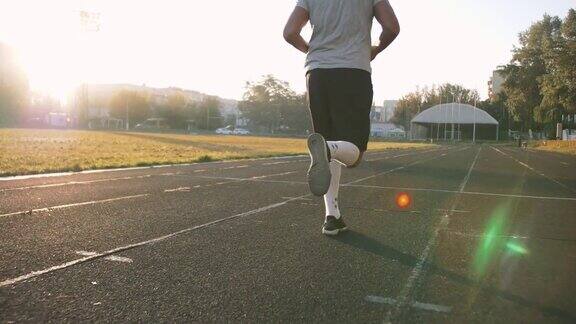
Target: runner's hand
375	51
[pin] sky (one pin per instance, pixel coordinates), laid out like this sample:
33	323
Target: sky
217	46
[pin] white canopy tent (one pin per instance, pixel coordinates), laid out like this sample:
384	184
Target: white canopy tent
453	114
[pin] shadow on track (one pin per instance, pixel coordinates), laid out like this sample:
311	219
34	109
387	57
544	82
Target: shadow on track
365	243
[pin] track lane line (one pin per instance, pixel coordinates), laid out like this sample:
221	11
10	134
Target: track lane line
63	174
62	184
117	250
404	299
534	170
402	167
33	274
101	201
93	202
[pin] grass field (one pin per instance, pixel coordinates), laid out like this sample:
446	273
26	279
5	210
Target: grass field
24	151
567	147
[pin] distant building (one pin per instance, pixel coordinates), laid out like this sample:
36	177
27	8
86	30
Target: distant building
389	109
495	84
96	99
386	130
384	113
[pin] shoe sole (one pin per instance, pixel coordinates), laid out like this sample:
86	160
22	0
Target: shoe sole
334	232
319	172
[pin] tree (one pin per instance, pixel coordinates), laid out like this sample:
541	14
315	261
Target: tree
131	104
295	116
206	113
176	110
273	105
528	72
407	108
558	87
14	90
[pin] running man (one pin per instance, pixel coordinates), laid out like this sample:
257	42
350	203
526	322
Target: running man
339	86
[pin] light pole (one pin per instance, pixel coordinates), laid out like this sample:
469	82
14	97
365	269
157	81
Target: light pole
127	113
474	130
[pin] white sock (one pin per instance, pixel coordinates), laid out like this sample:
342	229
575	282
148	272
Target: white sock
331	197
345	152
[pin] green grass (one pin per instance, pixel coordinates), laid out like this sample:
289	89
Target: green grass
24	151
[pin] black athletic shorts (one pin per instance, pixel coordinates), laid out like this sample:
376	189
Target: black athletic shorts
340	102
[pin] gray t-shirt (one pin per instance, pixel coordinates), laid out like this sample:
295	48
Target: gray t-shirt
341	33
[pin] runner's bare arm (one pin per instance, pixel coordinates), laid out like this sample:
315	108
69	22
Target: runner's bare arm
390	27
296	22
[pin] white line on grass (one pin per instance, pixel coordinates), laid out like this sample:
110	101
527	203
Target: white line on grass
94	202
533	170
423	306
404	297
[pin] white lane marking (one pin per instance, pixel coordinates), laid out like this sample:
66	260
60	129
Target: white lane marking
472	193
423	306
401	155
52	185
181	189
307	199
405	294
114	258
198	171
274	175
276	163
564	163
484	235
236	167
86	253
533	170
454	211
34	274
94	202
396	169
60	174
252	180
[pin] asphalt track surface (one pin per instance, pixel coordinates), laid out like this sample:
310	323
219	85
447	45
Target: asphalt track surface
490	237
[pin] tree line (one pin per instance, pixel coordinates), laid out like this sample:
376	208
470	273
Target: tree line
13	87
539	88
271	106
268	106
540	81
177	110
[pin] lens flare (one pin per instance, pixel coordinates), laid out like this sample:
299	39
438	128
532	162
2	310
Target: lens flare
516	248
403	200
492	240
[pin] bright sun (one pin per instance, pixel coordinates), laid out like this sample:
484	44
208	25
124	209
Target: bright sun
51	45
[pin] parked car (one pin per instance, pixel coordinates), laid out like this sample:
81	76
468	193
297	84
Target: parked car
228	130
153	123
241	131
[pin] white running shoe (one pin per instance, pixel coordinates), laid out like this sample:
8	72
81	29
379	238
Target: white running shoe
319	172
